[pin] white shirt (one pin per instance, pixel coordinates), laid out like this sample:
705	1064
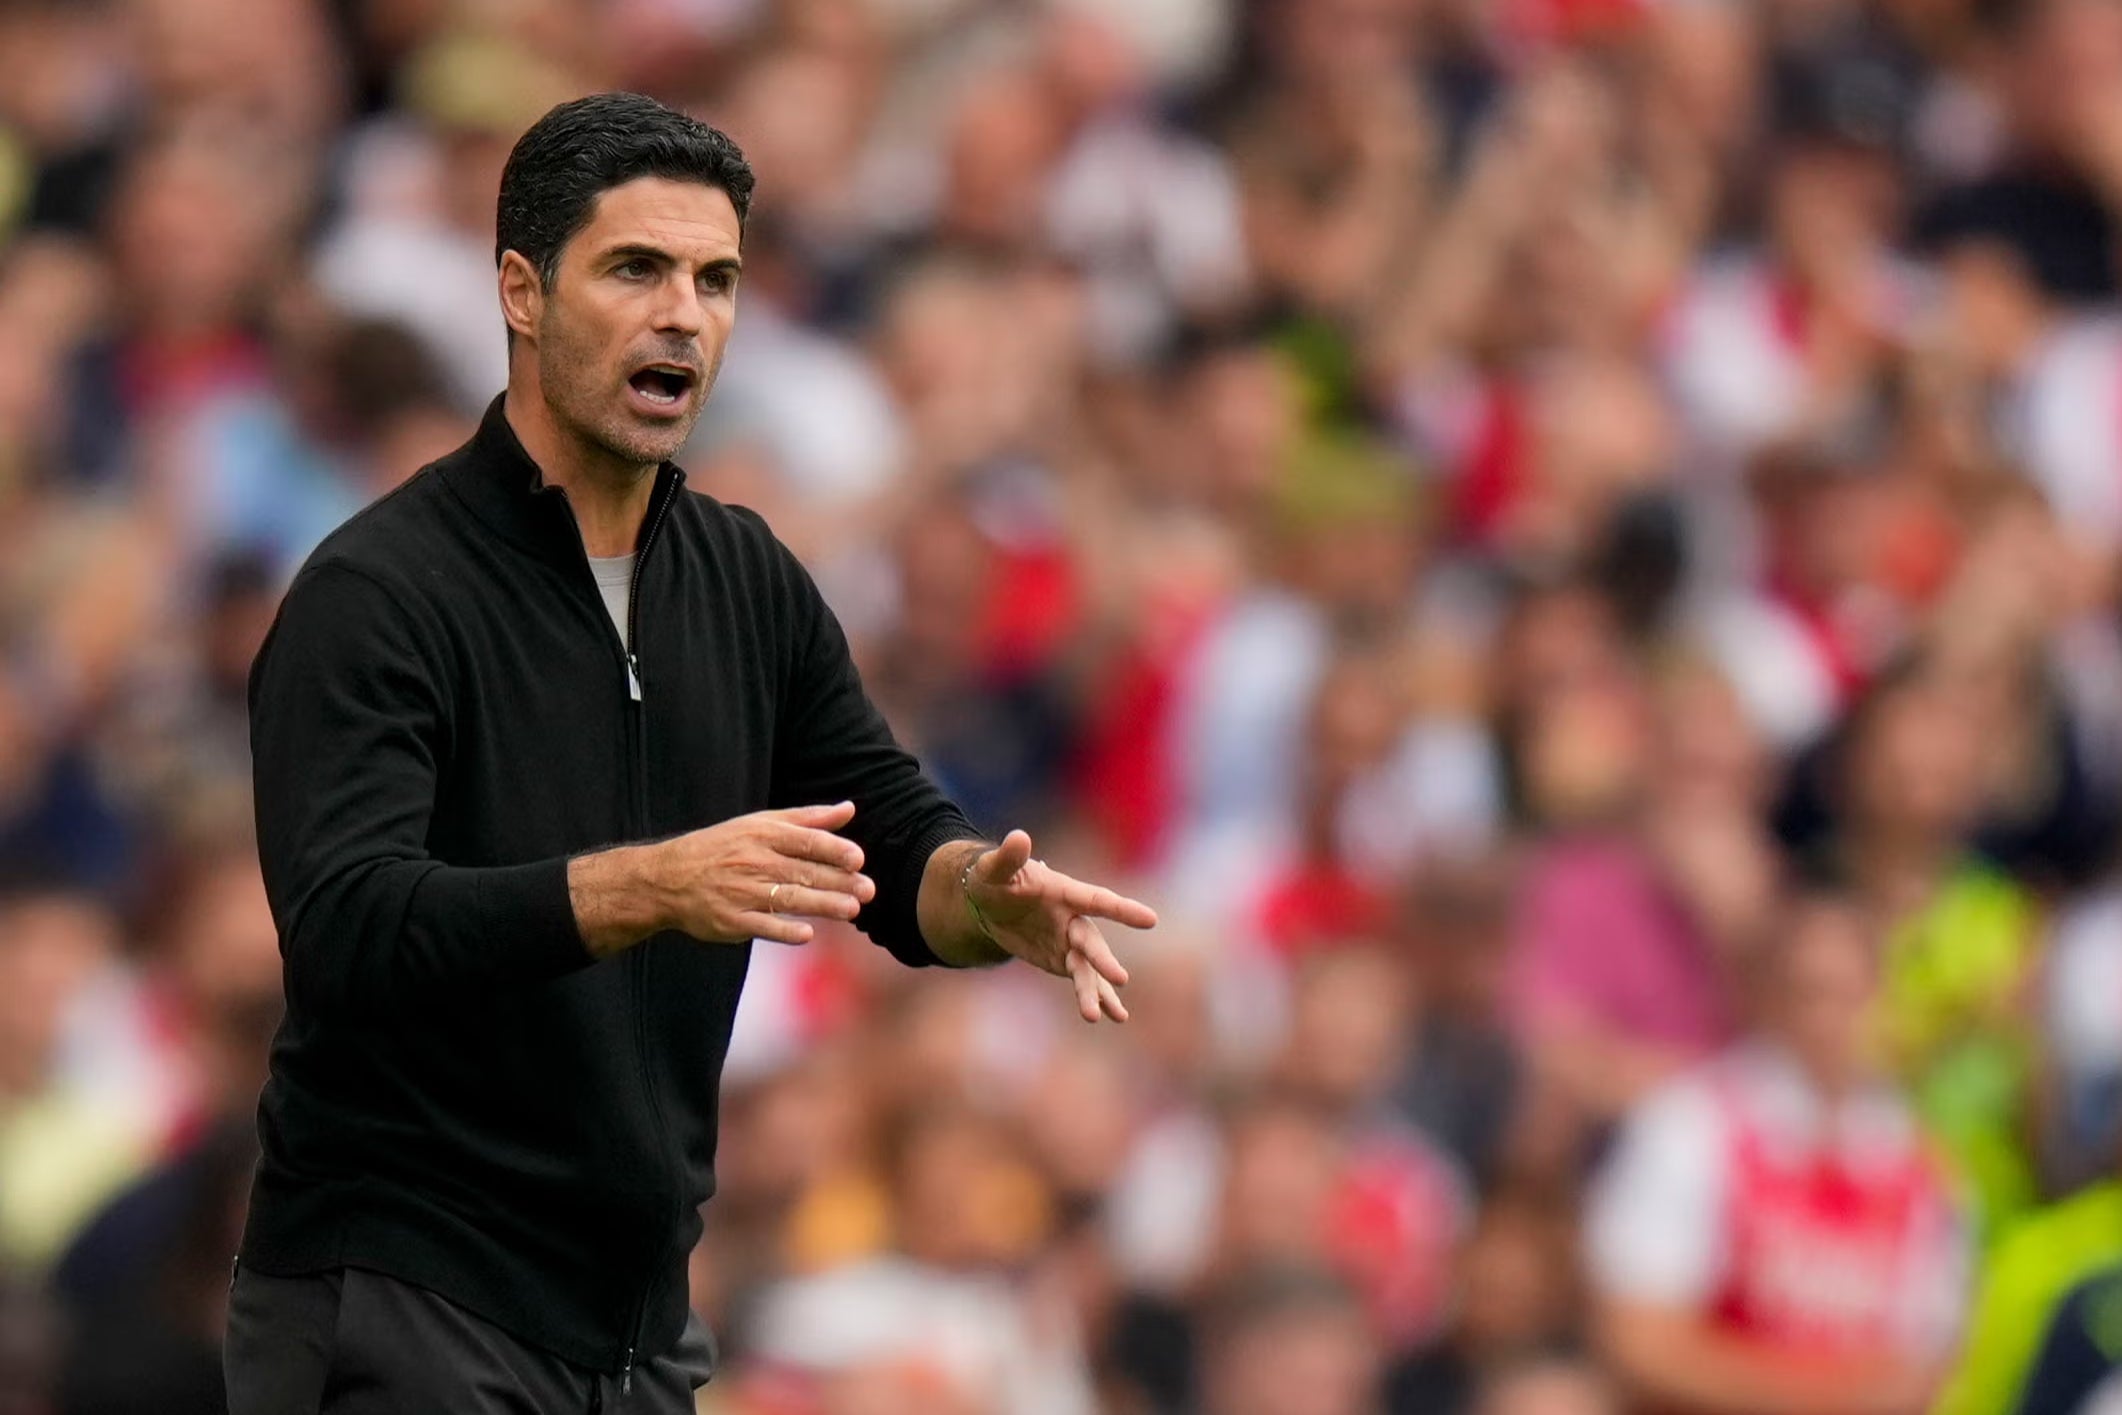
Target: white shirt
2085	986
615	582
978	1332
2068	426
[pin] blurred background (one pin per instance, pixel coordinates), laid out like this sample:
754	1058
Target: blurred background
1570	546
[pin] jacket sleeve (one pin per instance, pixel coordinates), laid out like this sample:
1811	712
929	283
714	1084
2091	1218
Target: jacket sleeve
831	744
350	726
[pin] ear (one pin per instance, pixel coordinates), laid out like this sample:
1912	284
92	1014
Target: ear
522	294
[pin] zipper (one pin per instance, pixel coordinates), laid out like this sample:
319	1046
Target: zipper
633	593
639	744
637	825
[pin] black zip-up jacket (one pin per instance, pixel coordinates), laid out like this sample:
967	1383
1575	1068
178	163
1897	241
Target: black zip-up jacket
441	716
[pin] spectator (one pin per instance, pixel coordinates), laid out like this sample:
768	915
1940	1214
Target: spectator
1287	1342
1638	914
1772	1233
1960	934
208	1009
1275	1166
967	1208
2011	258
65	1145
1518	1297
2085	1034
2037	1261
416	244
1461	1080
1463	503
2076	1370
1399	1210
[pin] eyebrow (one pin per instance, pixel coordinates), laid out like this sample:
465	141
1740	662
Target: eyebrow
634	250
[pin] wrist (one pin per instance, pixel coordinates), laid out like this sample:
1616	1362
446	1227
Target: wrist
948	918
972	905
620	897
657	885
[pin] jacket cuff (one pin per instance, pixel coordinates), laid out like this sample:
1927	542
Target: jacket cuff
530	904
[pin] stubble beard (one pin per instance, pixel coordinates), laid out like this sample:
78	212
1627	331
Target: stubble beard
575	388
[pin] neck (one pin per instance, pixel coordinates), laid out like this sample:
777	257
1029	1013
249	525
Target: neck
2022	340
1832	1084
609	496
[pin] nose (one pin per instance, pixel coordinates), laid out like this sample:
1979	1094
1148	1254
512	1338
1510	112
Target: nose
680	310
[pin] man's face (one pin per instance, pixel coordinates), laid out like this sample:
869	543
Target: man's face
631	328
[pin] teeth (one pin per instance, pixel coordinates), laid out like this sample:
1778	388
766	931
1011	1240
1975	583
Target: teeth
653	387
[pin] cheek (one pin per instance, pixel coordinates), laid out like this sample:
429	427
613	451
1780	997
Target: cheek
721	318
570	347
582	323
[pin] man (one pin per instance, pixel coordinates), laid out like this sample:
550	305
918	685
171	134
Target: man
2079	1368
2028	1278
491	1118
1771	1233
1287	1338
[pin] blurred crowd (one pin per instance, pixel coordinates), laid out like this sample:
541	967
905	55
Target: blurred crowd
1572	547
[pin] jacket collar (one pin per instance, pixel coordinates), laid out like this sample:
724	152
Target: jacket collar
502	485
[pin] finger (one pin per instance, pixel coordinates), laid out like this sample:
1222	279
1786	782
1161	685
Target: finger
772	928
822	846
815	817
815	903
804	874
1109	1000
1000	865
1084	938
1103	903
1085	978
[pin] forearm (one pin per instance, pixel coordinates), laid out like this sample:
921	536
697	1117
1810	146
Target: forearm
1675	1359
350	716
947	922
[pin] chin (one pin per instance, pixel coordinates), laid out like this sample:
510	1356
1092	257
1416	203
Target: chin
635	442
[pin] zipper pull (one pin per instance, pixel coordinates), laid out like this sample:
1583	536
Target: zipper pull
626	1377
633	677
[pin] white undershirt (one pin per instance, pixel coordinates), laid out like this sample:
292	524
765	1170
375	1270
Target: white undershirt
615	582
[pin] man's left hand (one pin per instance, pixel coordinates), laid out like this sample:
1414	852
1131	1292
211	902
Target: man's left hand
1036	913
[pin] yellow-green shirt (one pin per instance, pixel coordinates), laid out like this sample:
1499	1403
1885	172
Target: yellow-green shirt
2035	1264
1953	1019
61	1156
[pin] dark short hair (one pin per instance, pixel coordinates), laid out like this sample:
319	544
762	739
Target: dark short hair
2058	230
583	148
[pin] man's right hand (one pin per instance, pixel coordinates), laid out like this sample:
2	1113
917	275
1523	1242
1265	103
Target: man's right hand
757	876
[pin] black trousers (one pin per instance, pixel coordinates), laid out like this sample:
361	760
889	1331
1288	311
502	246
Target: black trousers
352	1342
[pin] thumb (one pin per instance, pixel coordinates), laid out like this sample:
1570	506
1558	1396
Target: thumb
1000	865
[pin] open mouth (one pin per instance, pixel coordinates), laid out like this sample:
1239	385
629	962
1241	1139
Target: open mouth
663	385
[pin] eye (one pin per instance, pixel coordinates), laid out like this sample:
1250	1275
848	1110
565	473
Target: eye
718	281
632	268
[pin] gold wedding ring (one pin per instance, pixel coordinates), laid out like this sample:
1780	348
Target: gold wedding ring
770	896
